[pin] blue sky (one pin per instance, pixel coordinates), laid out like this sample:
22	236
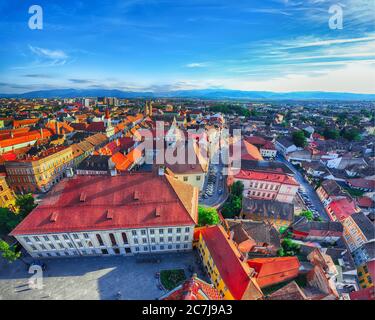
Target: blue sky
270	45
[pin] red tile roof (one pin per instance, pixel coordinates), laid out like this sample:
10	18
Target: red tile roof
234	272
194	289
362	183
363	294
29	137
271	271
176	202
365	202
273	177
96	127
343	208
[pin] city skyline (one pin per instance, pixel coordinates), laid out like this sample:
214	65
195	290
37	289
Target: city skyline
146	45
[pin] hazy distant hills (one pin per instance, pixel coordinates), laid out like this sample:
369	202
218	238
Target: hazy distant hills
212	94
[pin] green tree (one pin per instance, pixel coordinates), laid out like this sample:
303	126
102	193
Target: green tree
8	253
8	220
207	216
25	203
330	133
237	188
350	134
290	248
308	215
299	139
232	207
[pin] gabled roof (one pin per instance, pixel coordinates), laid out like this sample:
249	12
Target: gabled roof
291	291
343	208
234	272
365	224
303	225
267	209
193	289
176	202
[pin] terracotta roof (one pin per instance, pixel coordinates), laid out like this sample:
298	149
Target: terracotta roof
123	162
25	122
271	271
291	291
258	141
96	127
31	136
177	204
343	208
193	289
268	146
234	272
63	127
363	294
362	183
365	202
273	177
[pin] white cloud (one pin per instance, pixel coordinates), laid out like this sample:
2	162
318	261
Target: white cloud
196	65
49	54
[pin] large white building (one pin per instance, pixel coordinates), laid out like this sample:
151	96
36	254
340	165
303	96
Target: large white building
122	215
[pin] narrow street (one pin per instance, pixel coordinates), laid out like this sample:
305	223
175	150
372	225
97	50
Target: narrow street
308	188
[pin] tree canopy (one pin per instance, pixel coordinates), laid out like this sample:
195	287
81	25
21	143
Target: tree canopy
7	252
207	216
9	220
299	139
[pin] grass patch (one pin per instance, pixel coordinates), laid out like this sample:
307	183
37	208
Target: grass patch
170	279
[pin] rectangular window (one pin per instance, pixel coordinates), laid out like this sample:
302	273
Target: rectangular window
143	232
45	238
36	238
65	236
152	231
134	232
161	231
187	229
169	239
135	240
178	238
52	246
27	239
75	236
170	230
56	237
178	230
86	235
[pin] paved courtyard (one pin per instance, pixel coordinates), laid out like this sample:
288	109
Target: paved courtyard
93	277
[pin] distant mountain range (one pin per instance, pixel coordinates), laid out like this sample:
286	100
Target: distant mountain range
209	94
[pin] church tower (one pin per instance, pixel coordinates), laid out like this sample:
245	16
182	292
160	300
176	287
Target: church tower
107	119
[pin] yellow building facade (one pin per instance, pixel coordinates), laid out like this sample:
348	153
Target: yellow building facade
7	196
39	173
